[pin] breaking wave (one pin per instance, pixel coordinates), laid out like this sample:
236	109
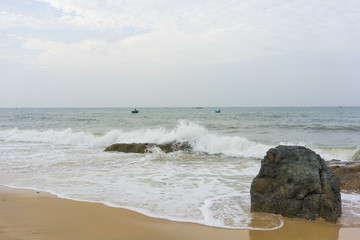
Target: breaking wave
201	139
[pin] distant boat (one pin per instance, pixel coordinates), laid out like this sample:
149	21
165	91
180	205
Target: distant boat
135	111
218	111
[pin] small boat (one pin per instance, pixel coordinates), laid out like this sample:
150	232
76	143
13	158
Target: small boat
218	111
135	111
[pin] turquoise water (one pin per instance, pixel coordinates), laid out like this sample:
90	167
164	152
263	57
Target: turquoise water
61	151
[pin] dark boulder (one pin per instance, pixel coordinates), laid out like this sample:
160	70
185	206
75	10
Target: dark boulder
144	147
295	182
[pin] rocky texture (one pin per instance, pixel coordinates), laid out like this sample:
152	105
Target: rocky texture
295	182
348	173
144	147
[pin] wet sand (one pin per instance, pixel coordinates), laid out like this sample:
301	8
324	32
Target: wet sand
31	215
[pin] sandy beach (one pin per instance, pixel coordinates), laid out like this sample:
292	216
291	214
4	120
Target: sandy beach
27	214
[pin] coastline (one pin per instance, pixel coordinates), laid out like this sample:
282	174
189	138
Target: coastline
27	214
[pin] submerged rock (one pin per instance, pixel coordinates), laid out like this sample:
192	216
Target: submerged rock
295	182
348	173
144	147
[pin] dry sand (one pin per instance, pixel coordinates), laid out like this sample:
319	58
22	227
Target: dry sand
32	215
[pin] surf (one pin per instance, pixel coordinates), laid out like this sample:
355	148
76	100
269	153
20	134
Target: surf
200	138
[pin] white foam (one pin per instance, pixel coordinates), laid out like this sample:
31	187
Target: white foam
227	211
233	211
351	201
170	186
328	153
67	136
178	186
336	153
201	139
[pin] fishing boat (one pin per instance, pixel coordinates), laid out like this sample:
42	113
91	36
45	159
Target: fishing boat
218	111
135	111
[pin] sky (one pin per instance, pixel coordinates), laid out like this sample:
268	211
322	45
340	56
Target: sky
179	53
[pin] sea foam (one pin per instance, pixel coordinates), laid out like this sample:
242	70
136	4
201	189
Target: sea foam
201	139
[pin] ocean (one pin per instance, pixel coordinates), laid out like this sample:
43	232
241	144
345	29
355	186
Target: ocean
61	151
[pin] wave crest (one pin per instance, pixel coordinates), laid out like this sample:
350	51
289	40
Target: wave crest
201	139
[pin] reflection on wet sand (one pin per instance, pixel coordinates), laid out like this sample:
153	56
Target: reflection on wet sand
295	229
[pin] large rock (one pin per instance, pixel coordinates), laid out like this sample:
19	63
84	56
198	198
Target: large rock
144	147
295	182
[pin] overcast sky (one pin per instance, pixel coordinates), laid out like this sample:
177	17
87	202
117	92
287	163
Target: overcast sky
158	53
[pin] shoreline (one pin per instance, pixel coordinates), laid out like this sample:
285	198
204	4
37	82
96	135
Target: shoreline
28	214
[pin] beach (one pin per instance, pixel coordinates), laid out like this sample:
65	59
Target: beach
28	214
201	193
179	120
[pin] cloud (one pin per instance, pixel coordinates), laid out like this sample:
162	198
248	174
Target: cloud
198	15
151	35
157	36
14	19
153	52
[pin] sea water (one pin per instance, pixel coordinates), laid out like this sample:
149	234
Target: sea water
62	151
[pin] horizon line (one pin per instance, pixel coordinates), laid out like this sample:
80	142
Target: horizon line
315	106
